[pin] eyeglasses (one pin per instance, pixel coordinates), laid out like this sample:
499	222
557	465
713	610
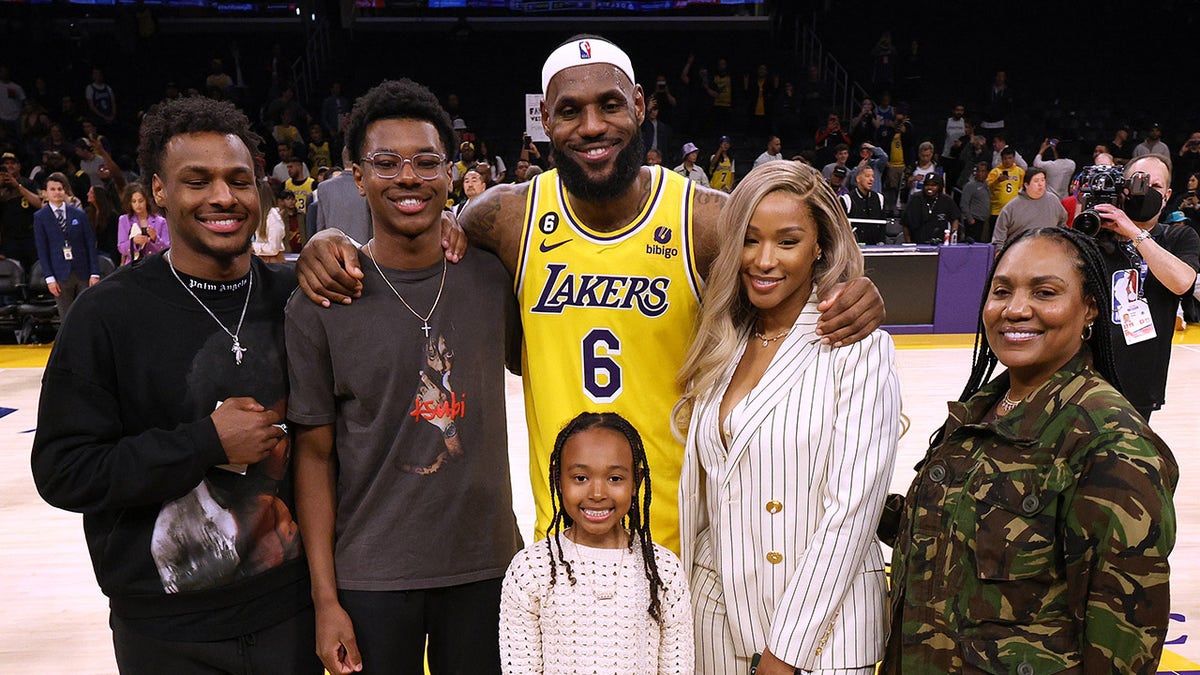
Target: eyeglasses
425	165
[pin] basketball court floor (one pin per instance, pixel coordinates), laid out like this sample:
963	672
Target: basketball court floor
53	618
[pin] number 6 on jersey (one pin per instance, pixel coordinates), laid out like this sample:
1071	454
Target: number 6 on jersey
601	374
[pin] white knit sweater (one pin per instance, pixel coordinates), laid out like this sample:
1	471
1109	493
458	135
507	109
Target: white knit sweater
572	630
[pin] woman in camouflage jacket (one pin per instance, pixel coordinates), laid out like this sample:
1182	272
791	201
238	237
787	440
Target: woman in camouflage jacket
1035	536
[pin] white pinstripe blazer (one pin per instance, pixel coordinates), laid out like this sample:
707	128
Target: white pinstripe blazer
815	442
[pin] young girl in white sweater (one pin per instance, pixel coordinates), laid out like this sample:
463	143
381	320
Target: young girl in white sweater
598	596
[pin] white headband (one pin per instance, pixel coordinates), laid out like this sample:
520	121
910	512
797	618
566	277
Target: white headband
582	53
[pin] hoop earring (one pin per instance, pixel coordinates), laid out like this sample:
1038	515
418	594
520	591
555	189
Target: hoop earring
1087	333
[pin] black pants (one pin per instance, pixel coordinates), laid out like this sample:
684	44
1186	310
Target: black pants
287	648
68	290
977	231
461	623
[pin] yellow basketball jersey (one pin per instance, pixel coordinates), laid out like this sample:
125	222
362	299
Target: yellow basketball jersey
608	317
722	176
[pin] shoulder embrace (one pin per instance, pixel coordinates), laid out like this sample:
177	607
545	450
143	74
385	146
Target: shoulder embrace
277	278
306	316
878	341
500	206
505	194
486	263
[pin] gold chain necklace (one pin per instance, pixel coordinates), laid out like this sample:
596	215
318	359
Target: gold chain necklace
424	319
768	340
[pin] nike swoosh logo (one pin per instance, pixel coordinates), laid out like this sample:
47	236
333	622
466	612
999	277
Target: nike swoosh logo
546	249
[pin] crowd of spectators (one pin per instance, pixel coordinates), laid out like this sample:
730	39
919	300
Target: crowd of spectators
704	118
935	174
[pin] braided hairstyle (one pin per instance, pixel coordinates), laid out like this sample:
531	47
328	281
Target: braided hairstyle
1095	286
638	518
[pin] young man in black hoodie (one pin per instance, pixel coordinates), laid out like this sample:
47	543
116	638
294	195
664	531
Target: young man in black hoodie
161	422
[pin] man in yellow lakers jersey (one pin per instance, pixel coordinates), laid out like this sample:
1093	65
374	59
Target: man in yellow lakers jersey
607	257
607	316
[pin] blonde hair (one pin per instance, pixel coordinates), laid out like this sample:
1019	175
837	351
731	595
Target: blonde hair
726	313
266	202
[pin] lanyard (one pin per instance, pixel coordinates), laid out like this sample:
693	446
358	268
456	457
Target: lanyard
1138	263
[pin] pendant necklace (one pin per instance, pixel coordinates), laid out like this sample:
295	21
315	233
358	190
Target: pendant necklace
237	348
592	565
768	340
424	319
1006	404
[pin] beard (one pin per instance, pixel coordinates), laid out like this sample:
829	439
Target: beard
222	251
624	172
225	255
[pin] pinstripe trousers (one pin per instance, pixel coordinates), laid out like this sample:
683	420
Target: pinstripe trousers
715	654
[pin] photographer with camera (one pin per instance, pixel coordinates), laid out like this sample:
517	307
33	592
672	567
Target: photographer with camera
1151	267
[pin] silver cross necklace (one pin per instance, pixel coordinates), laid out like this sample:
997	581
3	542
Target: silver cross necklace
237	348
424	319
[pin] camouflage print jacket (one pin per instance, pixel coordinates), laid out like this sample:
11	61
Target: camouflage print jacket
1036	542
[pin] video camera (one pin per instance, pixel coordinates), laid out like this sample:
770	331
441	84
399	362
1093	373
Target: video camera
1103	184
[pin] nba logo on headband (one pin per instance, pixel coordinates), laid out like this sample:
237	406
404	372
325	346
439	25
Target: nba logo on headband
585	52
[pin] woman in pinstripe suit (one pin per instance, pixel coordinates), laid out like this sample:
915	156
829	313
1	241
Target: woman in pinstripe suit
790	444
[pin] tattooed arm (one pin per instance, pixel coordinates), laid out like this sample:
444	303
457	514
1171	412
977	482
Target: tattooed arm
706	207
329	269
492	222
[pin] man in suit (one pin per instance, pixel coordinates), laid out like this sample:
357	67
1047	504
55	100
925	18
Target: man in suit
66	245
342	205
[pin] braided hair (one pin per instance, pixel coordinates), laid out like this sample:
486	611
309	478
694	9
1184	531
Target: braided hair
638	518
1095	286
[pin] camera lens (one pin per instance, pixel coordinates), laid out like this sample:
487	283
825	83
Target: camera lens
1087	222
